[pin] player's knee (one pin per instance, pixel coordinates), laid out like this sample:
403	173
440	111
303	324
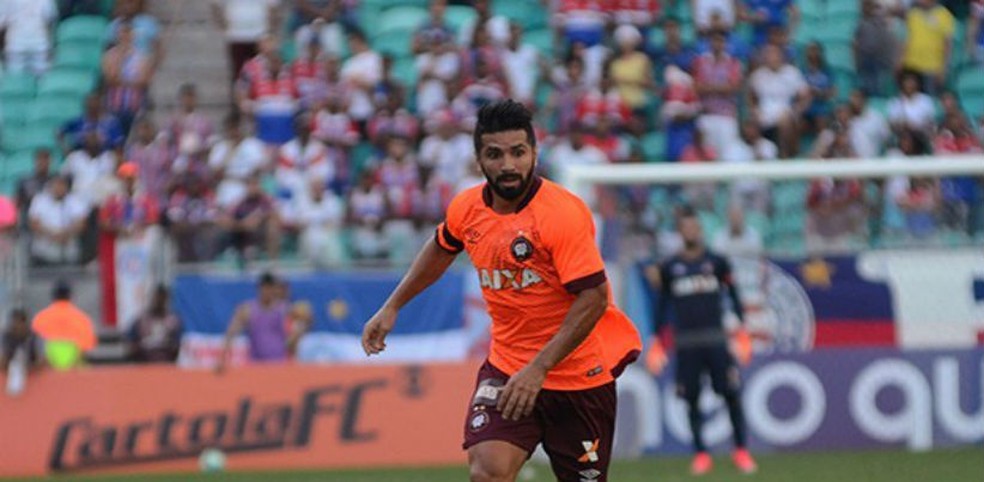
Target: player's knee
486	472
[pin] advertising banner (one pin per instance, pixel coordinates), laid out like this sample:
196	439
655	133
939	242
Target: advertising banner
160	418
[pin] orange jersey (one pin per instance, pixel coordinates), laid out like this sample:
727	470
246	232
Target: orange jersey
531	264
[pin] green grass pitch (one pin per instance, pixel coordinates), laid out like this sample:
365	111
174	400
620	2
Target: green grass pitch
962	465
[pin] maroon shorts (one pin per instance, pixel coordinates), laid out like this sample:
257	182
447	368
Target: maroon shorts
576	428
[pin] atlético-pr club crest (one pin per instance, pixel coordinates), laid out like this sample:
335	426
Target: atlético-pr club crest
521	248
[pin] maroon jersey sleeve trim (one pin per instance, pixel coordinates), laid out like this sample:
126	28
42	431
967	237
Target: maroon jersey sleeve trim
585	282
447	241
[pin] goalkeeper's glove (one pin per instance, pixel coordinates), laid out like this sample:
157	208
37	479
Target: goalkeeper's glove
742	346
655	356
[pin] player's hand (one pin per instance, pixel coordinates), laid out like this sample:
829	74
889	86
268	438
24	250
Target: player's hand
518	397
655	357
376	329
743	346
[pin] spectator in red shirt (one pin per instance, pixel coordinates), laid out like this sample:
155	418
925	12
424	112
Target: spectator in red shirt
123	216
310	76
266	90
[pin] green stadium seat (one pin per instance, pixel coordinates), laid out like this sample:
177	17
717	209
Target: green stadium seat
973	106
54	108
845	81
18	165
395	42
14	111
459	15
970	82
531	15
812	10
542	39
405	70
403	18
654	147
78	56
840	55
383	4
17	85
19	138
74	82
843	8
91	28
838	28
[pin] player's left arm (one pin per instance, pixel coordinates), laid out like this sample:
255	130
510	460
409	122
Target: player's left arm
519	394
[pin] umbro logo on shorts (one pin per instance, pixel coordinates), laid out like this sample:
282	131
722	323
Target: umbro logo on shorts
590	451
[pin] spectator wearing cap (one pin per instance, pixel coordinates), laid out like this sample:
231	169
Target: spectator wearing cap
304	159
189	124
631	71
252	223
244	23
234	159
192	215
447	149
34	183
56	219
27	43
94	118
124	216
149	151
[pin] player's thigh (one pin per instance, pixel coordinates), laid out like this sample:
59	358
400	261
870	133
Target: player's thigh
689	367
579	428
495	461
497	447
725	377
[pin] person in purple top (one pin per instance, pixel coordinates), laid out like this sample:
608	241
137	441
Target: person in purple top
272	326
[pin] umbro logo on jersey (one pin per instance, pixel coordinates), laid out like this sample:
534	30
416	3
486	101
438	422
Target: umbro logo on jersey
472	235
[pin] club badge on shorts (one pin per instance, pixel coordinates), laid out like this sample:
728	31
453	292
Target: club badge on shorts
521	248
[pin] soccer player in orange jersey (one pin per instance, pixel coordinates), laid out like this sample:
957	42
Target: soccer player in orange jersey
557	341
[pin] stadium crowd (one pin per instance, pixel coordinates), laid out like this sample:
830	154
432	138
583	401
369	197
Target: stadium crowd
328	149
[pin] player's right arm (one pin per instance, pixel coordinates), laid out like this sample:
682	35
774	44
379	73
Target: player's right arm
656	358
432	261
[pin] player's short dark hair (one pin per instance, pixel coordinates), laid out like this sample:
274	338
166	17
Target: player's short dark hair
267	279
501	116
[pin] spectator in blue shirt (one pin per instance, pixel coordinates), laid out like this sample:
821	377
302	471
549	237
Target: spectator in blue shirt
763	14
146	28
674	51
820	79
735	45
93	118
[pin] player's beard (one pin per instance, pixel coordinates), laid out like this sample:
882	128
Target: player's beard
691	244
509	193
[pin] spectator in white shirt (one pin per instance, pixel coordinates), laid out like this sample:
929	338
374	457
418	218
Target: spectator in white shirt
57	219
704	11
88	168
244	22
738	240
367	209
576	151
750	194
912	110
521	63
362	71
320	217
303	160
233	160
28	40
447	150
779	95
868	129
438	67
